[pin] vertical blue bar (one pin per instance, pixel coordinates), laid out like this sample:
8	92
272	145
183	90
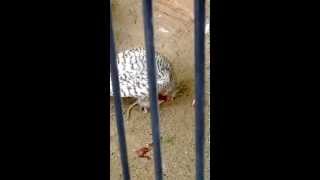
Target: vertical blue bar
153	94
199	13
118	107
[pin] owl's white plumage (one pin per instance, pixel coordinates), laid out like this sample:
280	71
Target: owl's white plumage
133	77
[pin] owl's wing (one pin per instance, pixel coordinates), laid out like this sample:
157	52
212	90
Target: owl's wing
132	85
141	84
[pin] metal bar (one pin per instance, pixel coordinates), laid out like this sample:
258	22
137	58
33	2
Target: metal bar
199	13
118	105
153	93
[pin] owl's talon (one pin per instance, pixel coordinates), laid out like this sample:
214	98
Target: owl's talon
161	101
193	103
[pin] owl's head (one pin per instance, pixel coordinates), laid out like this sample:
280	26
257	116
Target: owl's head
169	90
166	80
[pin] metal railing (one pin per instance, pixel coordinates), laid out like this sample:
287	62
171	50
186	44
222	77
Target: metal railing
199	32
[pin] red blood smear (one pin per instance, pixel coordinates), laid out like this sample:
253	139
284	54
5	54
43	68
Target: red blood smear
142	153
161	97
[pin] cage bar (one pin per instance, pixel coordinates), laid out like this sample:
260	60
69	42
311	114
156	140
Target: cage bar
118	104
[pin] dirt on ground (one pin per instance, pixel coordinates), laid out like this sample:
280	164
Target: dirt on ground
174	32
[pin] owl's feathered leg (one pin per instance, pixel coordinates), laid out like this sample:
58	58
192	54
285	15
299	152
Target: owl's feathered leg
146	109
